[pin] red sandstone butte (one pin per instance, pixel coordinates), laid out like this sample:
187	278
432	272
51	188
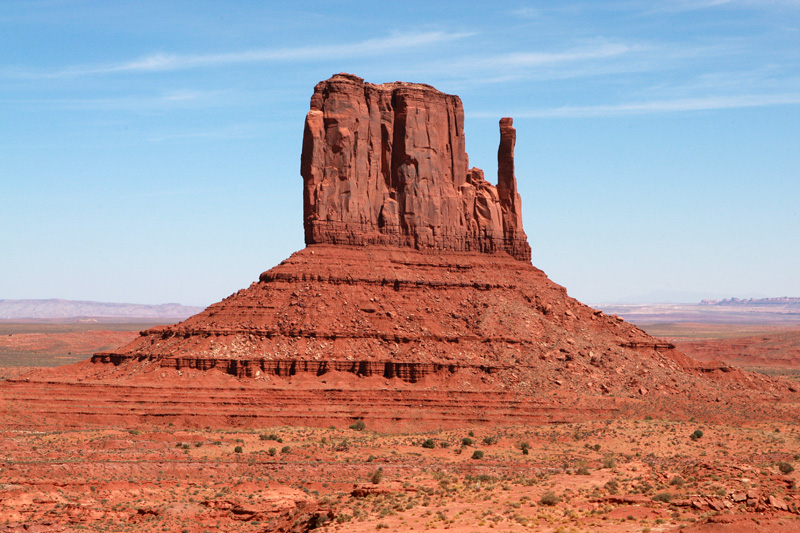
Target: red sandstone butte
386	164
414	303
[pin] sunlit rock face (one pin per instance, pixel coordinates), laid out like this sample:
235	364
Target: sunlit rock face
386	164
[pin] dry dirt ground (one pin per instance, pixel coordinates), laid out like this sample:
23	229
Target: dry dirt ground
623	475
769	349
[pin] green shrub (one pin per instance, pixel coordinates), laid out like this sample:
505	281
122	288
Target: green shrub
272	452
785	468
696	435
549	498
490	440
238	449
376	476
665	497
609	461
677	481
477	454
358	425
286	449
583	471
466	441
429	443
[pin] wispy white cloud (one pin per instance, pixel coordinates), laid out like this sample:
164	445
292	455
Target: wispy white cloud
161	62
170	99
654	106
678	6
504	67
532	59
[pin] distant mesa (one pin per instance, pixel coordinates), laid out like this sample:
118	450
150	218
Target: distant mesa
71	310
781	301
414	302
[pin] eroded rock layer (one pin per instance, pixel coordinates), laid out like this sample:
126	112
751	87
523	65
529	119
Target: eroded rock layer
386	164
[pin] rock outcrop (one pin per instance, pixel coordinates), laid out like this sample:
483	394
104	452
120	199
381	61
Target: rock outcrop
386	164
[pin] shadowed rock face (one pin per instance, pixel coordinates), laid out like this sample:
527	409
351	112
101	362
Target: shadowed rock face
386	164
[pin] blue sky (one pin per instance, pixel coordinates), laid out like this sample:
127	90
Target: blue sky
150	150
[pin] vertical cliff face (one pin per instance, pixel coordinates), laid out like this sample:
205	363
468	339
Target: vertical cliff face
386	164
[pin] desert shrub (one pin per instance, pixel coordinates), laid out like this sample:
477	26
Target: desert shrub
596	447
785	467
466	441
583	471
677	481
358	425
272	452
612	486
238	449
444	444
370	458
549	498
376	476
471	433
609	461
489	440
286	449
262	436
186	446
524	446
429	443
663	497
477	454
696	435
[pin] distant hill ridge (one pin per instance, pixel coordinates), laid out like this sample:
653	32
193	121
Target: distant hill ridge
62	309
783	300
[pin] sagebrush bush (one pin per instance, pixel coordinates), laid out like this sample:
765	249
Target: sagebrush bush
549	498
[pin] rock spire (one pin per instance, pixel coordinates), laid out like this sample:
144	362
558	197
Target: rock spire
386	164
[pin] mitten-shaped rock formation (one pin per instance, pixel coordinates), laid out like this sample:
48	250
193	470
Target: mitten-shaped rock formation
386	164
366	323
